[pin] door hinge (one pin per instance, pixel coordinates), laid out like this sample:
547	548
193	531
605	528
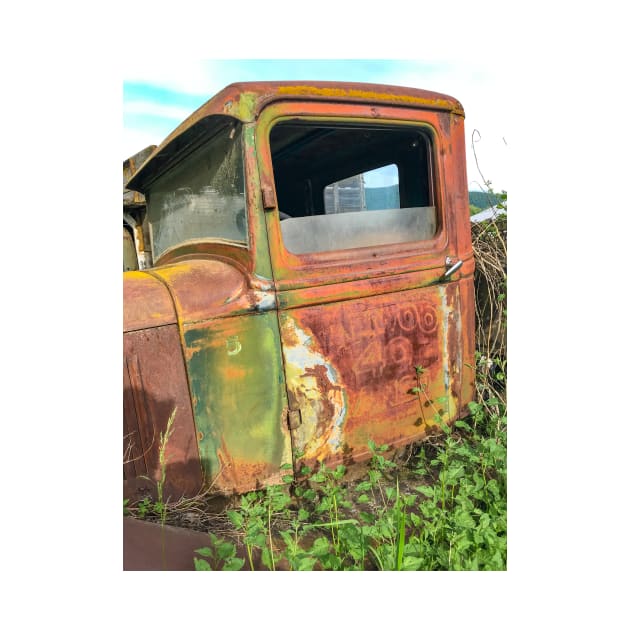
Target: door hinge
294	419
268	198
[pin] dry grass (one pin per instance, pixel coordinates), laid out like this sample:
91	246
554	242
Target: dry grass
490	249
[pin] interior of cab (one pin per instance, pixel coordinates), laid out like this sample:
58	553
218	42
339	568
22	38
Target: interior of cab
325	174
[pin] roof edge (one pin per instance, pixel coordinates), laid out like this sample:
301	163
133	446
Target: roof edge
244	101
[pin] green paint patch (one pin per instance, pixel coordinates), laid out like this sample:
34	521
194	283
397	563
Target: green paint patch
235	376
244	107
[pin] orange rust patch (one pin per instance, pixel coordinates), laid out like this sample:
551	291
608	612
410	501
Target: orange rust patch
233	372
241	475
290	337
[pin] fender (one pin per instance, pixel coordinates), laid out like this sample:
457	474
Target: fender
195	336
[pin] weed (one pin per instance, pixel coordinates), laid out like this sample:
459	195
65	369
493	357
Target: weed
144	508
160	504
253	519
221	555
332	497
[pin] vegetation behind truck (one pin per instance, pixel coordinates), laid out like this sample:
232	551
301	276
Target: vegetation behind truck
311	287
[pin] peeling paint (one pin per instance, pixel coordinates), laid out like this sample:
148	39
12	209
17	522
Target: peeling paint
244	106
370	347
317	390
264	301
233	345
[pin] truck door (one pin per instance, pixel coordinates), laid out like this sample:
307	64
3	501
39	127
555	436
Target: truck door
373	272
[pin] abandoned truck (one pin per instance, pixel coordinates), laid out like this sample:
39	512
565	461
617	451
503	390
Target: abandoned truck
311	286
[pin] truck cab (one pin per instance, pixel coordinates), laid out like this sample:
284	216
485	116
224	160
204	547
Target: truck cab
311	287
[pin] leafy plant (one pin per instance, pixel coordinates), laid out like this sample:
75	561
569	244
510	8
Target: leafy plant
144	508
220	556
254	520
332	497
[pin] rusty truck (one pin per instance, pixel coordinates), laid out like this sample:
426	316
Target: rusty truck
309	284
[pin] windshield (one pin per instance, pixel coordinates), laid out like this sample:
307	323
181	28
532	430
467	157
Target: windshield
202	197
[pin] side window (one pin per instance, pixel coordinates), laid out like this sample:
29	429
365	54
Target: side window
373	190
344	187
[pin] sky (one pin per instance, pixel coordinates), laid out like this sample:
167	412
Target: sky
159	96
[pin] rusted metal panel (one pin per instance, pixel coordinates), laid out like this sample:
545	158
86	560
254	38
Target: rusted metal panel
229	331
239	399
146	302
351	367
205	289
355	324
134	463
153	389
154	547
467	301
365	287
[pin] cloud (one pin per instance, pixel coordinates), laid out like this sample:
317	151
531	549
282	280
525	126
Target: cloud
148	108
196	77
206	77
134	140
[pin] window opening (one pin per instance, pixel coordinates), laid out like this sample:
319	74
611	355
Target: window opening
371	190
343	187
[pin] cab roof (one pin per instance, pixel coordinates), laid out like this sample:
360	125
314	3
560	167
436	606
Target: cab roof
244	101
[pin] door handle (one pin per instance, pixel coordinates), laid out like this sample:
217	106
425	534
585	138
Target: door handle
451	266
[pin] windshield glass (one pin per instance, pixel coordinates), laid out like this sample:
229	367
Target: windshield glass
202	197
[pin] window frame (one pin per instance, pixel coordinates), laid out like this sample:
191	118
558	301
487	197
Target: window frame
311	269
